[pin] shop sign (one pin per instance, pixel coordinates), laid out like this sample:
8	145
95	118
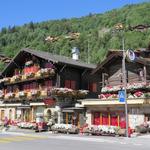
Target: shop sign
49	101
121	96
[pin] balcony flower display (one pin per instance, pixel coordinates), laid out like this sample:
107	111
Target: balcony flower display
38	74
24	77
82	93
108	96
134	86
129	95
66	92
139	94
1	80
35	92
29	75
1	94
52	71
148	85
22	94
62	92
15	78
43	93
9	95
147	95
29	95
45	71
111	88
7	79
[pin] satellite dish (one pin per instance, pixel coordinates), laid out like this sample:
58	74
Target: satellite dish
130	55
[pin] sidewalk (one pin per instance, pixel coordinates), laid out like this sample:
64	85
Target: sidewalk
15	129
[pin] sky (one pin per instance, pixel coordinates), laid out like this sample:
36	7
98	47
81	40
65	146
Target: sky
19	12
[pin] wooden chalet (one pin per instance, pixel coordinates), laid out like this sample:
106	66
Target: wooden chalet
39	83
107	78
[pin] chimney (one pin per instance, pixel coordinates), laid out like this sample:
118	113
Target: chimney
75	53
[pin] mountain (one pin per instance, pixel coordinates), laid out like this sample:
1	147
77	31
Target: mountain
93	34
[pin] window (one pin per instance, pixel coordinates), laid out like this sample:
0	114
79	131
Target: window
71	84
93	87
104	79
48	83
141	74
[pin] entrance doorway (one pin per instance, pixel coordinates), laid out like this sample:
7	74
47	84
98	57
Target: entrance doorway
10	114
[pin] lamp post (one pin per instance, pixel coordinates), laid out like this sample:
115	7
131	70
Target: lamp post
120	28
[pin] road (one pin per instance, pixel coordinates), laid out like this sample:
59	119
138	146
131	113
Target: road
70	142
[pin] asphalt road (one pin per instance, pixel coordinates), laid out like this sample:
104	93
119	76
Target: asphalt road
70	142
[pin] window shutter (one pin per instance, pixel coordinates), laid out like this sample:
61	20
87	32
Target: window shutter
94	87
67	83
73	85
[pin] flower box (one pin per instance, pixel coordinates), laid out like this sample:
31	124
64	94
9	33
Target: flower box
43	93
35	92
30	75
22	94
15	78
9	95
7	80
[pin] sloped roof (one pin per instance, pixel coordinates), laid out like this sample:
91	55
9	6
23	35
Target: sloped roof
51	57
59	58
115	53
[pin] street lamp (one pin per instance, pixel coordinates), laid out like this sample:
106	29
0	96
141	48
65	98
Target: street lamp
120	27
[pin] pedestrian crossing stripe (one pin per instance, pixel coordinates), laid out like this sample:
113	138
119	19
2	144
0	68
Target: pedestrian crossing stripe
19	138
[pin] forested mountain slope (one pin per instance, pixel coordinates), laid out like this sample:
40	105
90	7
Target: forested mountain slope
94	33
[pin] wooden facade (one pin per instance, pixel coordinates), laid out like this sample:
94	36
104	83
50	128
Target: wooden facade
34	82
106	109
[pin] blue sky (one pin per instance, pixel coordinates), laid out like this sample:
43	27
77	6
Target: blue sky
18	12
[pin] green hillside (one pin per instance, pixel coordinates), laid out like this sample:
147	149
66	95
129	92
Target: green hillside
94	32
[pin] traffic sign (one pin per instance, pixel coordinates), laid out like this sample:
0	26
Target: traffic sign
121	96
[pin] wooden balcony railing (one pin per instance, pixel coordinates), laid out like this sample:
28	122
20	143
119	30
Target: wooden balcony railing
41	74
36	94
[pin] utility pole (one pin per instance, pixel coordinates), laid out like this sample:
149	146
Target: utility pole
125	84
120	27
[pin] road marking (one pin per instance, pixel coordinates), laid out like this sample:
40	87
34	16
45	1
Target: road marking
20	138
4	141
11	139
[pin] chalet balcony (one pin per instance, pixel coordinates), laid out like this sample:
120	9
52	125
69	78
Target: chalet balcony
40	74
40	94
130	87
134	90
